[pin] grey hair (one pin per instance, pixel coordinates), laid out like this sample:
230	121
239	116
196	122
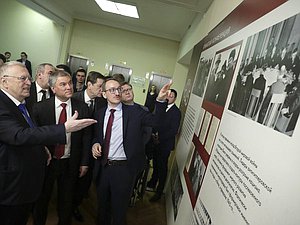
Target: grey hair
41	67
58	73
4	69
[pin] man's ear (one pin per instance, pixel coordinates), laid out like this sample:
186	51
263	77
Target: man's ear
104	94
52	89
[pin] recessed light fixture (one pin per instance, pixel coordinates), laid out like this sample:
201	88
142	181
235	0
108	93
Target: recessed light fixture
118	8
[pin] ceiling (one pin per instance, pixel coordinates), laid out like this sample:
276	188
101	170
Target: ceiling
168	19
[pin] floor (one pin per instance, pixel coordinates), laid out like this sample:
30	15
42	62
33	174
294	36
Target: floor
142	213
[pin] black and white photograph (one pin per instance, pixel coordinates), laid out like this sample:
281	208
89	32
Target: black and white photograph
196	172
201	75
176	189
221	74
267	88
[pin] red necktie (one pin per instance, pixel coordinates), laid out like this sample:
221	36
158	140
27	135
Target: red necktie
60	149
108	134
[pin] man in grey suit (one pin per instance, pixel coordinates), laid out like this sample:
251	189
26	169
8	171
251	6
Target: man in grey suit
22	153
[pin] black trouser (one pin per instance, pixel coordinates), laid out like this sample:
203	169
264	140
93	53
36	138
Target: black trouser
58	170
160	169
114	191
15	215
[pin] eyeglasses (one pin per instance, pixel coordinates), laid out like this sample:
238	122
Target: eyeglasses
21	78
113	90
126	90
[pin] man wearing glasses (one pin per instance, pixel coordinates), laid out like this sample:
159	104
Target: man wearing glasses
22	153
40	89
118	148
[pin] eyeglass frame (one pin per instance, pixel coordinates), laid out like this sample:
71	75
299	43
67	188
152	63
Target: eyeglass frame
21	78
113	90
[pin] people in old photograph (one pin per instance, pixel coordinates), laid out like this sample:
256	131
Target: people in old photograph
201	76
267	88
177	192
196	172
220	79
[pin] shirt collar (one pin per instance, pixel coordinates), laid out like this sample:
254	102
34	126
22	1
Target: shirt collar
87	98
169	106
58	102
38	88
117	108
17	102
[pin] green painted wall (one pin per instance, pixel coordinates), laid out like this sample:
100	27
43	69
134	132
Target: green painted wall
23	29
142	53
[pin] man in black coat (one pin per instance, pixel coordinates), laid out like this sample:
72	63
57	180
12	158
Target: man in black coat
40	90
26	62
73	162
165	139
22	153
118	148
92	96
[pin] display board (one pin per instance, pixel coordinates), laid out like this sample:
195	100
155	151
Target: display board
238	150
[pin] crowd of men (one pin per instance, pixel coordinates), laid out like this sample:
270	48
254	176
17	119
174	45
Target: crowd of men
48	137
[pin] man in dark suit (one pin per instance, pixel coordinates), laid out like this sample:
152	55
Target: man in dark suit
26	62
118	148
92	96
22	154
165	139
66	166
40	89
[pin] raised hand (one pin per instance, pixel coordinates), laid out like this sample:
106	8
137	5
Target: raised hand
164	91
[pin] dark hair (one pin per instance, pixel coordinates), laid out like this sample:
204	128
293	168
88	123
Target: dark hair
3	58
93	76
81	70
126	83
24	53
174	91
7	53
119	77
64	67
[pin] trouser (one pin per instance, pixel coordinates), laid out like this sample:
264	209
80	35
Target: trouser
160	169
114	191
58	171
15	215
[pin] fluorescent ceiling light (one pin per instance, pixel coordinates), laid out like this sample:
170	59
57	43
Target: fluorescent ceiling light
118	8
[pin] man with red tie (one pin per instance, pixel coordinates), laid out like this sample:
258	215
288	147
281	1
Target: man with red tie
69	161
118	148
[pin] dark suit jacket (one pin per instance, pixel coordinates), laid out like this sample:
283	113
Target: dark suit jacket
135	118
44	114
28	66
32	99
98	103
22	154
168	129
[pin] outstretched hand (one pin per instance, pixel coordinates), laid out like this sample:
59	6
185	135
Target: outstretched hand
164	91
73	124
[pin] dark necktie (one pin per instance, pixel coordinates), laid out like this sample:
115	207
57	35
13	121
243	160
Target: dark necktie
60	149
44	96
22	108
91	106
108	134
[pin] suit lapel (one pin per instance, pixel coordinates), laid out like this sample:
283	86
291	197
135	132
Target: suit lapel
125	119
13	108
